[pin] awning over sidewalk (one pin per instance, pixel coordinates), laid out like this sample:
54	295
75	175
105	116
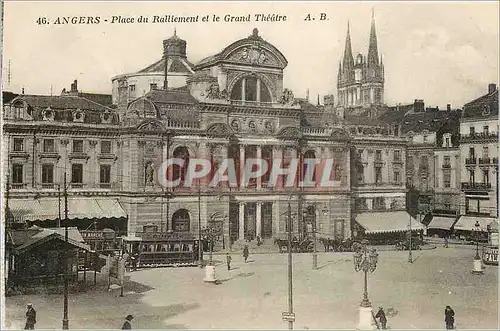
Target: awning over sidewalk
395	221
468	223
48	208
443	223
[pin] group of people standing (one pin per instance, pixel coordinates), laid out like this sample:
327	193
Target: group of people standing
449	318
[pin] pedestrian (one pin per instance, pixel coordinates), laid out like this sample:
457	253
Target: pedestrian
30	317
449	318
228	260
381	317
445	242
127	325
245	253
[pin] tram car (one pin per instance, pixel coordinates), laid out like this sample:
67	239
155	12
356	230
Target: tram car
152	248
490	252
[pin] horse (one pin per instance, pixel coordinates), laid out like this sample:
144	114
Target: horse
282	244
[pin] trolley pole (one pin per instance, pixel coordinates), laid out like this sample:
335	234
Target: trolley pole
59	201
65	321
315	253
410	258
200	243
290	273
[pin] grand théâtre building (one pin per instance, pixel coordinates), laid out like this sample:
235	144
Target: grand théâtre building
233	104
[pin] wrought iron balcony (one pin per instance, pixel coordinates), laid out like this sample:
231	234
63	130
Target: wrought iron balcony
484	160
17	186
476	186
470	161
480	136
446	166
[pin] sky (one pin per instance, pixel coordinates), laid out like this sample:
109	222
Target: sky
444	53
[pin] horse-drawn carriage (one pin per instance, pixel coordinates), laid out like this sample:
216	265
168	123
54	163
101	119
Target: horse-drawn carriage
336	245
404	245
306	245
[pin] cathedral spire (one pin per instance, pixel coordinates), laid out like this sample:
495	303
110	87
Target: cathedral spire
348	63
372	48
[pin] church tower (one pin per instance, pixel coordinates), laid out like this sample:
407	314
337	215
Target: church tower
360	83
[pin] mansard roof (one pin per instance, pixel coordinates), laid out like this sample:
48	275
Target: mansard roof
430	121
175	64
484	106
178	95
61	102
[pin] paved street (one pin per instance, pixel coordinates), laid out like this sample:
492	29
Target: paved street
254	295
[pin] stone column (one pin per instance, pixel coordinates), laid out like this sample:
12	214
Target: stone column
241	221
259	157
258	218
369	203
258	90
243	87
242	164
276	217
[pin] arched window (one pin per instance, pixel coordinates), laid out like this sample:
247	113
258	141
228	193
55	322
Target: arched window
18	110
180	221
179	172
308	163
250	88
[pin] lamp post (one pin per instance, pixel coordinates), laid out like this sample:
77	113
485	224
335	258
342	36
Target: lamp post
365	260
211	233
65	321
477	263
410	257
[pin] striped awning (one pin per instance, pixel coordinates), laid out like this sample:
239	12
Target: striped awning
48	208
443	223
387	222
468	223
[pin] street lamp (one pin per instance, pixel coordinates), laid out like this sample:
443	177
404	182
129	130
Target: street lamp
478	268
365	260
211	233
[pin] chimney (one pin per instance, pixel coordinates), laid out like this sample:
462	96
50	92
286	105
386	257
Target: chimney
492	88
22	91
74	86
307	95
448	107
418	106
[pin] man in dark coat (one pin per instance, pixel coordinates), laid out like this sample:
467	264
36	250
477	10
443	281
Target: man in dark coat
449	318
127	325
245	253
228	260
30	318
381	317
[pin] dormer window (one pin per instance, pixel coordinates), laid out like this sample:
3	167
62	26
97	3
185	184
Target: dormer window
486	110
251	88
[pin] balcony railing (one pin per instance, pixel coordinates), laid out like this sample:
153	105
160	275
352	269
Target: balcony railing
479	136
76	185
484	160
105	185
446	166
476	186
49	186
17	186
470	161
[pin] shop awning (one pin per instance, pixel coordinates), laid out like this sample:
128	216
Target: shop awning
468	223
443	223
48	208
396	221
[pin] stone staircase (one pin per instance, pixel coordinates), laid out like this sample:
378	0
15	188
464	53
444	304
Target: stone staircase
267	246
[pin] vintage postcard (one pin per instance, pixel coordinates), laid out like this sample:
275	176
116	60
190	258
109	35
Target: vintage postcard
249	165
